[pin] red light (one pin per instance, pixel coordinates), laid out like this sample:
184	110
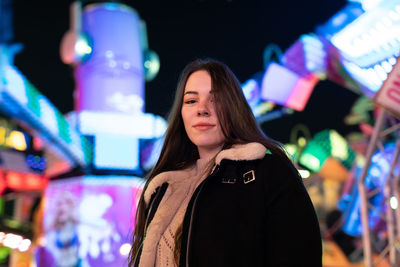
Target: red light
3	183
14	180
32	181
37	143
25	182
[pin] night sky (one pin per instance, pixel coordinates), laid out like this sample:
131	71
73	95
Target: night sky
235	32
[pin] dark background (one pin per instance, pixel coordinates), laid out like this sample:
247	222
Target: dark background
233	31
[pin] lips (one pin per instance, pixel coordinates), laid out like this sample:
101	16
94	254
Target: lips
203	126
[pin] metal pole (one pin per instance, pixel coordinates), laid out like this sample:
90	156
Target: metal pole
390	222
395	186
362	190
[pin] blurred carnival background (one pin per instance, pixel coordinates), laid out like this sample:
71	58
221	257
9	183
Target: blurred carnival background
85	88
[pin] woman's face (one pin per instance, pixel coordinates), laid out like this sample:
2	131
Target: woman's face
198	113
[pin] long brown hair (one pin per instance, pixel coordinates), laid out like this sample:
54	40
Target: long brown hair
178	152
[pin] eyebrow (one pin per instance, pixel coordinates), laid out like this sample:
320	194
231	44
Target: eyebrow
196	93
191	92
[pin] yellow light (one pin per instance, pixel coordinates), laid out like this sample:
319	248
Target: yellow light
291	149
360	160
301	141
2	135
339	145
16	140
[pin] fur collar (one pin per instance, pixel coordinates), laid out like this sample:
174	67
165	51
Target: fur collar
249	151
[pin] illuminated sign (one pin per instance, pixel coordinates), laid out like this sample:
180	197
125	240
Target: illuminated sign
88	220
367	42
323	145
285	87
389	95
36	110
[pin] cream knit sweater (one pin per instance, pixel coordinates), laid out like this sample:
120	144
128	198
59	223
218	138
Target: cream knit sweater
158	247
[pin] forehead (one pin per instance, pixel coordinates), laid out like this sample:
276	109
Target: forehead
198	81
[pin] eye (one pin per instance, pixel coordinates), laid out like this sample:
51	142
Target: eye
190	101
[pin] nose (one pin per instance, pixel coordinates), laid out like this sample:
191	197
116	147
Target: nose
203	109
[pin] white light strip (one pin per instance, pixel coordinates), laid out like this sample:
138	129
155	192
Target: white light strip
14	241
139	125
373	36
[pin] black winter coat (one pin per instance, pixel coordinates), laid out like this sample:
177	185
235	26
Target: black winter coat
249	213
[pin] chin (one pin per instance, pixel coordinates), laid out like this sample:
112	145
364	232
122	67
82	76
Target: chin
207	143
207	140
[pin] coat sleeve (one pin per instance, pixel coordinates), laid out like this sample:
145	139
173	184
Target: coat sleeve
292	230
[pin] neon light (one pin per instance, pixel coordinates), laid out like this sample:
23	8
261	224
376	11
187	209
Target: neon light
389	95
36	109
15	84
339	148
3	186
16	140
143	125
14	180
116	151
304	174
124	249
12	240
393	202
47	115
116	62
310	162
367	77
325	144
381	72
36	162
24	245
10	137
394	16
3	132
25	182
369	4
387	67
82	47
369	44
283	86
251	91
301	92
301	141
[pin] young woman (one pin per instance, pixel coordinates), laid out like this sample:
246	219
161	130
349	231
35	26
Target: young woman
221	193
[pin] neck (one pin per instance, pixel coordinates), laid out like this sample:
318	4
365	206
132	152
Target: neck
208	153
